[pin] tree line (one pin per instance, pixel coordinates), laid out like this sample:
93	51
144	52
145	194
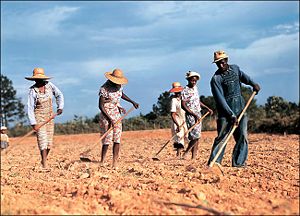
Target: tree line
276	116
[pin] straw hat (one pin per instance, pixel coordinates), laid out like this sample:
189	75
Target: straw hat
190	74
219	55
3	128
38	73
176	87
116	77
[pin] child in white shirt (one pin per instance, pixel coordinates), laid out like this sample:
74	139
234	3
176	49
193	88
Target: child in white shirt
178	127
4	138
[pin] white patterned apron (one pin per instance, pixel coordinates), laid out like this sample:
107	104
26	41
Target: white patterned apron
43	111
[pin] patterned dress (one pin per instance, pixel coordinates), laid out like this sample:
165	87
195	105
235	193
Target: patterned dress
113	94
43	111
192	99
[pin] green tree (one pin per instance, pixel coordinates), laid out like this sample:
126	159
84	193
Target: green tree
151	116
11	107
277	107
163	105
210	102
96	118
281	116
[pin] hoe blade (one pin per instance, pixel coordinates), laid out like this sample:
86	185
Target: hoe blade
85	159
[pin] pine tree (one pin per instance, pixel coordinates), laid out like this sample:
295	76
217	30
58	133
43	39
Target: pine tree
11	107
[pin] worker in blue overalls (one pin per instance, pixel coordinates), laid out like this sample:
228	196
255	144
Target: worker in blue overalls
226	90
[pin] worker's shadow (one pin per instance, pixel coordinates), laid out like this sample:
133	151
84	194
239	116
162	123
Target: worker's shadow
83	159
208	209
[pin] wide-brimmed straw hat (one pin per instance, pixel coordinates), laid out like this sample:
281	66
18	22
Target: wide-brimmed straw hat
190	74
219	55
116	77
176	87
38	73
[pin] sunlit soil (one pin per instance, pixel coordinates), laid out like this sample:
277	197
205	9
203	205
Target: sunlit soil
268	185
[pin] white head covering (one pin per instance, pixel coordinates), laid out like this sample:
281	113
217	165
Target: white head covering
191	74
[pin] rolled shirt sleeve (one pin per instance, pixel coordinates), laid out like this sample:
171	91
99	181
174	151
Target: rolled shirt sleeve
173	105
58	96
30	106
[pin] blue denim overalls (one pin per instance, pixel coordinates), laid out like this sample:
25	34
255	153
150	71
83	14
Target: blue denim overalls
228	86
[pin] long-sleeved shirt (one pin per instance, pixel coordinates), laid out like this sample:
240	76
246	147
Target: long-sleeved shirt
32	98
226	89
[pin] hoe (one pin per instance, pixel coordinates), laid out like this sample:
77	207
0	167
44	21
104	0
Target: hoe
83	156
32	131
227	137
155	158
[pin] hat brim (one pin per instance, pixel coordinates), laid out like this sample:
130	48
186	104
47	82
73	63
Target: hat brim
117	80
38	78
193	76
176	89
220	59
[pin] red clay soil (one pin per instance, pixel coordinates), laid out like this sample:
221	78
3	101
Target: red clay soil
269	185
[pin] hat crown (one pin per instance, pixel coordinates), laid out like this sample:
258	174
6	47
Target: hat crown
117	73
176	87
191	74
176	84
38	74
116	76
220	54
38	71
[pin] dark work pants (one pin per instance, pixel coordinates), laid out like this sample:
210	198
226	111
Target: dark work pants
240	151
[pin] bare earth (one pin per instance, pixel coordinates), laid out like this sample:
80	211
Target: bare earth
268	185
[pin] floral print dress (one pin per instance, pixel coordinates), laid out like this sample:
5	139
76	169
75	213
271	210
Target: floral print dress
113	95
192	99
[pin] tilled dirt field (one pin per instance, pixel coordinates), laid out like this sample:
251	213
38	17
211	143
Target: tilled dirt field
268	185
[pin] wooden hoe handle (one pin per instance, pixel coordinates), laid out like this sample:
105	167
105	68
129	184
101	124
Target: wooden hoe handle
119	120
168	141
184	134
38	127
105	134
223	143
31	132
191	128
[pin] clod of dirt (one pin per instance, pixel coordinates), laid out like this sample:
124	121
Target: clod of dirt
191	168
200	196
84	175
184	191
104	177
